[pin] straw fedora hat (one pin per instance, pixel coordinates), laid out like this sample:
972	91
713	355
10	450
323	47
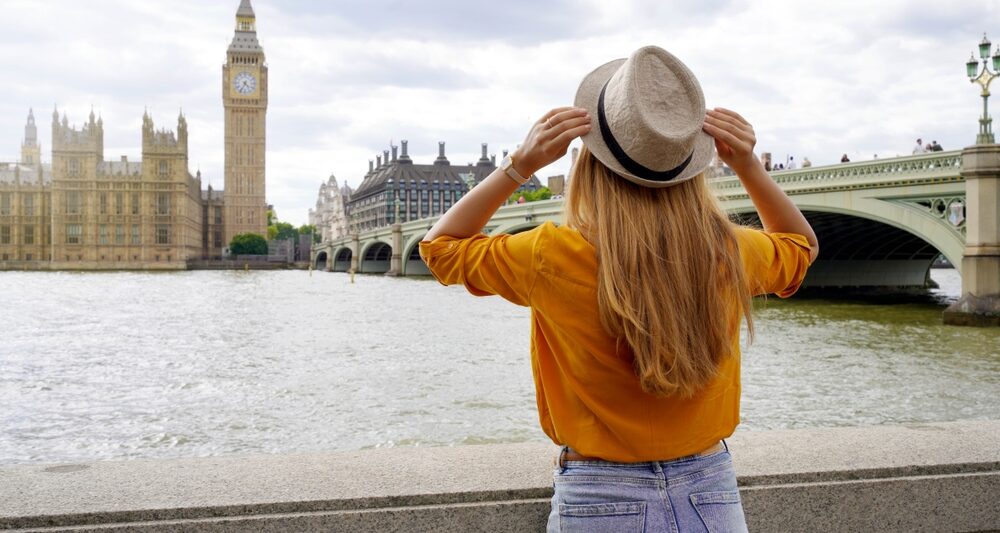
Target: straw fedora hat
647	114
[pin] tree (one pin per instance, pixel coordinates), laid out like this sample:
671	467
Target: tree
284	230
532	196
309	229
248	244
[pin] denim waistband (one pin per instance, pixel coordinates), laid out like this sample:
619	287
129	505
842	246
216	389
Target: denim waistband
655	466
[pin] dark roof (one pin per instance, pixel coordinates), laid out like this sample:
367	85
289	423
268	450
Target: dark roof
402	170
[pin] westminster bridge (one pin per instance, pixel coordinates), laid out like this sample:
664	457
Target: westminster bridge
881	223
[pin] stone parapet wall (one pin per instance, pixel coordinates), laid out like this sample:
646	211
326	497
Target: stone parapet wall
928	477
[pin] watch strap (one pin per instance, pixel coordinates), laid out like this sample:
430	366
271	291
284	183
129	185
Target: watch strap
512	172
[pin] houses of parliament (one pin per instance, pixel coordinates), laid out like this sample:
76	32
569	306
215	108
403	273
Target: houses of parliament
83	212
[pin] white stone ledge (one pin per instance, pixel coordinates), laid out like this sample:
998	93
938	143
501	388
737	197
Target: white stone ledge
927	477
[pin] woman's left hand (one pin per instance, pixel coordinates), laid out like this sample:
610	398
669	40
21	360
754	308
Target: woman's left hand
549	139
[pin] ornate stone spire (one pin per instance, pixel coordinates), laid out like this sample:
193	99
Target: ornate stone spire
30	130
245	37
245	10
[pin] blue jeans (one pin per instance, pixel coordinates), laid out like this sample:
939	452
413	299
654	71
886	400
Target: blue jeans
687	494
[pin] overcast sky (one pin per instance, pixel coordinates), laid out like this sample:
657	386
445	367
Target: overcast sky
816	79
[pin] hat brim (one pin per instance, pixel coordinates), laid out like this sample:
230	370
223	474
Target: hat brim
587	96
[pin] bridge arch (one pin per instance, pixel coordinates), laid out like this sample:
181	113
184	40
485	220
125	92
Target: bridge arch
321	260
342	259
413	264
375	258
870	242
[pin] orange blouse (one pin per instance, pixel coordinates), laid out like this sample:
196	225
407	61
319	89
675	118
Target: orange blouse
588	395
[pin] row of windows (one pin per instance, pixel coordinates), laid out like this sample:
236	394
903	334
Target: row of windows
378	216
73	167
412	184
74	234
216	239
7	204
245	127
31	257
247	185
424	195
74	203
27	235
246	216
243	60
27	257
217	218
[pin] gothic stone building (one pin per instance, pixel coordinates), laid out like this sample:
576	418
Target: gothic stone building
330	214
84	212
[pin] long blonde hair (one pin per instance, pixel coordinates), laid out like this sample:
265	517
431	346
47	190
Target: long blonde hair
670	278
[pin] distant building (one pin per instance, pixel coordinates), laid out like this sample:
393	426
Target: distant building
330	213
557	184
84	212
395	184
415	191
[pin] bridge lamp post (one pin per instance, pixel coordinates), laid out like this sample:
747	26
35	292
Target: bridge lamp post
983	78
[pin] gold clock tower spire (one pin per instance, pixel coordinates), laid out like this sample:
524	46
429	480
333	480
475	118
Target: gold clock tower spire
244	95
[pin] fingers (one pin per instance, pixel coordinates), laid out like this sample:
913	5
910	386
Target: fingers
574	120
742	131
724	135
549	138
721	119
730	113
563	139
570	113
554	112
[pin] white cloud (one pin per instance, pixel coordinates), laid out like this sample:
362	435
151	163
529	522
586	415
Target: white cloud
816	79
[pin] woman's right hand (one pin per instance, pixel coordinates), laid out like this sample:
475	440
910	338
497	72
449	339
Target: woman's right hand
549	138
734	138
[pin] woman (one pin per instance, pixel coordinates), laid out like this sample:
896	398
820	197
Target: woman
637	300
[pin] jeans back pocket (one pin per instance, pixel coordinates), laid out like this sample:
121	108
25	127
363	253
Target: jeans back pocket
722	512
602	517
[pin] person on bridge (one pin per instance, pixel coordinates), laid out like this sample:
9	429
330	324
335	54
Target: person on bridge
636	301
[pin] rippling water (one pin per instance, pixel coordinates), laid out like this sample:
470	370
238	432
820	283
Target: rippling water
144	365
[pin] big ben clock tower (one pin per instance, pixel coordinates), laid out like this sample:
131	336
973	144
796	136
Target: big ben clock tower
244	94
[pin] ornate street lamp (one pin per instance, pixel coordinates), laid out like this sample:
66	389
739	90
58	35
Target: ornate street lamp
983	78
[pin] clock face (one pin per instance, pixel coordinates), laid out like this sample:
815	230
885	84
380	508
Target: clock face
244	83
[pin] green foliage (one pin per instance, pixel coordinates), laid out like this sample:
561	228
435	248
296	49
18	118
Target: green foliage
532	196
284	230
309	229
271	217
248	244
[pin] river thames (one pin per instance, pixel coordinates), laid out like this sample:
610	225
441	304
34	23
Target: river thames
154	365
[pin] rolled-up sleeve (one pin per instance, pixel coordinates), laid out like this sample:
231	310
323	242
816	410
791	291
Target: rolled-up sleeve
503	264
774	262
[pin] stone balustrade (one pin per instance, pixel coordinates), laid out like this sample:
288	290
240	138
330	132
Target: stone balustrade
865	174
